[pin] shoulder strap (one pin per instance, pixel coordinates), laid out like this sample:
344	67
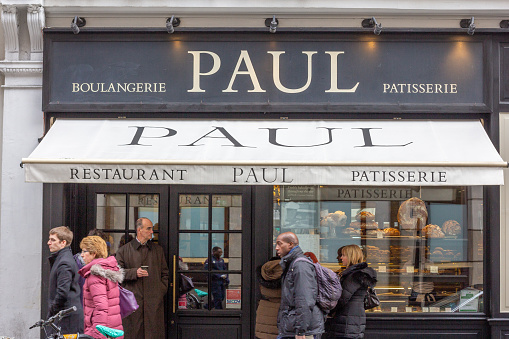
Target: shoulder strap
305	259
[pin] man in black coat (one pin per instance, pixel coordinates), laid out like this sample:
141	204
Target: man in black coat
64	288
299	316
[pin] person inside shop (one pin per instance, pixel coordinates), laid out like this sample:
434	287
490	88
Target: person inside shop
106	237
146	275
299	316
349	320
124	240
219	280
64	289
268	276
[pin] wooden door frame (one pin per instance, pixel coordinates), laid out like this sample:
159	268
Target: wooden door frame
227	317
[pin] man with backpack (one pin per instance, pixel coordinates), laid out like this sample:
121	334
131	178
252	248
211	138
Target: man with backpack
299	316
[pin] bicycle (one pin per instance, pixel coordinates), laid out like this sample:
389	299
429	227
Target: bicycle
109	333
196	302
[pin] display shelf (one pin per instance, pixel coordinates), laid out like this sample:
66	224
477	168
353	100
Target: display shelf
392	238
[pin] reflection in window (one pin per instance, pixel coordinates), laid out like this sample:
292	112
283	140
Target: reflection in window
210	250
117	215
424	243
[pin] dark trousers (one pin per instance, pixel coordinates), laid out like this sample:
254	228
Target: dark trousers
316	336
218	295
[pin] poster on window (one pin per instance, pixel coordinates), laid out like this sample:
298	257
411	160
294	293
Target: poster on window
233	298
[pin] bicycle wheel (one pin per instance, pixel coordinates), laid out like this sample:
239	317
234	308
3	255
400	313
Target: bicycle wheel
192	301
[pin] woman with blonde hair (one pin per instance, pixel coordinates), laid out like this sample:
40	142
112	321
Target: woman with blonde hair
101	303
349	320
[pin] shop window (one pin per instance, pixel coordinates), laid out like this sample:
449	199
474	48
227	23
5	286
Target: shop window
210	250
117	215
426	244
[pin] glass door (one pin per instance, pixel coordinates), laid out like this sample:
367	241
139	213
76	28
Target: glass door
211	234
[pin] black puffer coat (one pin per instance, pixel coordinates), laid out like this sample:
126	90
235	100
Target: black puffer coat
350	318
299	314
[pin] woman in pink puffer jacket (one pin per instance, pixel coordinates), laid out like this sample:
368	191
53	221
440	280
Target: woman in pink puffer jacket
100	291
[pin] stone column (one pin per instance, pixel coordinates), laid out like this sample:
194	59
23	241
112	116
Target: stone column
21	203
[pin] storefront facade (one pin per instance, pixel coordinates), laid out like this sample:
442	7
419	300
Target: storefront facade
226	139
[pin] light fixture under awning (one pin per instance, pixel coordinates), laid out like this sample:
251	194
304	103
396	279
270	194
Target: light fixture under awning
266	152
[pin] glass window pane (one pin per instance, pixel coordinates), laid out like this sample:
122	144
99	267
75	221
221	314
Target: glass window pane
111	211
234	254
424	243
114	240
220	251
226	212
235	218
193	249
144	206
211	251
194	212
233	292
197	298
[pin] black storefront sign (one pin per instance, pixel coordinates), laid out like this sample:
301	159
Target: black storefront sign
211	72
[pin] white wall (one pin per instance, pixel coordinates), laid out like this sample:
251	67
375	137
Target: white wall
20	203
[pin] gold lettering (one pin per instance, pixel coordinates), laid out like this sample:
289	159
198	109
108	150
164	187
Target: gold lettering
196	68
244	57
275	72
334	75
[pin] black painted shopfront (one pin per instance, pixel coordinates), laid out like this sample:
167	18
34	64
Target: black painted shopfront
226	140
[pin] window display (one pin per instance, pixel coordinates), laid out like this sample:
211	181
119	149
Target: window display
426	244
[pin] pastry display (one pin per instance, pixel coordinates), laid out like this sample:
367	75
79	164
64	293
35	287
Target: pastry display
375	254
364	216
391	231
336	219
352	231
369	225
441	254
451	227
432	231
404	241
374	232
412	215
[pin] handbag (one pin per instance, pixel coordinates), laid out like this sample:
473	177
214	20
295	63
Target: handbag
185	284
371	299
422	292
128	303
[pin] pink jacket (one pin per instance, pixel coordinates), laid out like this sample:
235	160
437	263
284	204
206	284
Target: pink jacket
101	295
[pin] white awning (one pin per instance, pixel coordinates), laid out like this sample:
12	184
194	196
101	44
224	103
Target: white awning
266	152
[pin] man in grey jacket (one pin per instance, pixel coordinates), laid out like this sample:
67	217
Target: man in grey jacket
299	316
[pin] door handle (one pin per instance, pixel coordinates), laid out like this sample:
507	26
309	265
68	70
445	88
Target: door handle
174	280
